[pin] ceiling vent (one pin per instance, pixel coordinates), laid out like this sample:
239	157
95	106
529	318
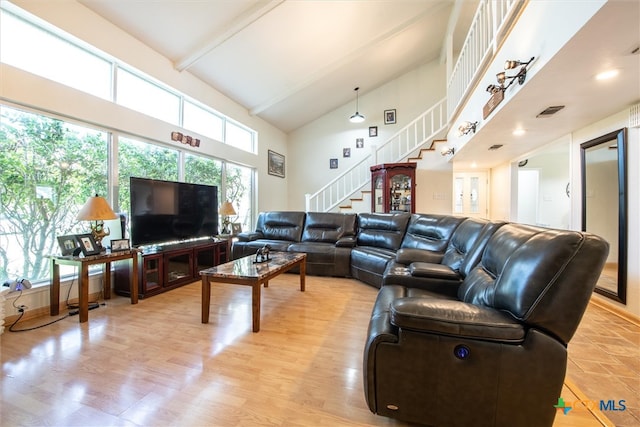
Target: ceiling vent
495	147
549	111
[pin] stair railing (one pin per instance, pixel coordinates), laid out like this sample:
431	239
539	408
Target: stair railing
399	146
490	26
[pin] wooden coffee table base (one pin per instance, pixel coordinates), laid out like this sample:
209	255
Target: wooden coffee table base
244	272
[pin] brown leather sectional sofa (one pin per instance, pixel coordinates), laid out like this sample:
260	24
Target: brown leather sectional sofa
473	318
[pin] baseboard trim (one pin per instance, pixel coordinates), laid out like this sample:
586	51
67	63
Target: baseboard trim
614	309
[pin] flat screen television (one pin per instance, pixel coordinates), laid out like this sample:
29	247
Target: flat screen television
167	211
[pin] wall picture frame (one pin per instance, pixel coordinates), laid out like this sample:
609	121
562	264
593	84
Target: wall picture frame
333	163
68	244
346	152
87	244
359	142
389	117
118	245
373	131
276	165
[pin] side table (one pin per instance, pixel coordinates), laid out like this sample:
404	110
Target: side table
83	279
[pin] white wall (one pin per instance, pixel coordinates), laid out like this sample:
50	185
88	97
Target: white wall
311	146
552	204
434	191
500	190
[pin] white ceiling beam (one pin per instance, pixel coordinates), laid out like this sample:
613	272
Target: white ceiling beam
349	57
247	18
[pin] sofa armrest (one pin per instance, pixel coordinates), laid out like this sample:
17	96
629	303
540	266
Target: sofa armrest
249	236
434	271
346	242
455	318
408	255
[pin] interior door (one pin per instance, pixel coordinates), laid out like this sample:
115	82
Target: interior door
470	194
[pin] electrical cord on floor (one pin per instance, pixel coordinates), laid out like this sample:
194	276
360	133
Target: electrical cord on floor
21	309
76	307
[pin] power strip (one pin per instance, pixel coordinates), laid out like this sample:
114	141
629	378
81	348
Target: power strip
91	307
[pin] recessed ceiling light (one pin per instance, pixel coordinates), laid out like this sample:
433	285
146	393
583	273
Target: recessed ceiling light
518	132
609	74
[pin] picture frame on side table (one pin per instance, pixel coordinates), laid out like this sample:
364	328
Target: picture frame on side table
118	245
68	244
88	244
389	117
236	228
275	164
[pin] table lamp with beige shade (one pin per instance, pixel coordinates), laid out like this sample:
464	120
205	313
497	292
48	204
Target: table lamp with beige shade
226	210
97	210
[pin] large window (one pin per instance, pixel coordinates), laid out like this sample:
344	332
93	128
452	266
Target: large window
141	95
42	49
239	136
48	169
143	160
238	184
32	49
202	170
203	121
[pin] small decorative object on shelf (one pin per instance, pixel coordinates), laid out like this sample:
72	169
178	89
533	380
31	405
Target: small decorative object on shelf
262	254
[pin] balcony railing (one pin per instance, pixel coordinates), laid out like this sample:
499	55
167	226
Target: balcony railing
489	27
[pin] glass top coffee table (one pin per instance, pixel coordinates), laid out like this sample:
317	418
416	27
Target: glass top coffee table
244	271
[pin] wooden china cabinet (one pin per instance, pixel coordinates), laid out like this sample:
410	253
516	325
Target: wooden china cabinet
393	187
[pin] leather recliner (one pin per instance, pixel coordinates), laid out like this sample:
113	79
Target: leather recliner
278	229
462	254
379	237
496	353
327	240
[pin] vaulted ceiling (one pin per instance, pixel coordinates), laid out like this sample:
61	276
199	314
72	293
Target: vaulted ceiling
290	62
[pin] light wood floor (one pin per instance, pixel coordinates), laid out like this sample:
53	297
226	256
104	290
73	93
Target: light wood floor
155	364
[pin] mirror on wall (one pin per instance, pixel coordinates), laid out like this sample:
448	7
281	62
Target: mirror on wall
604	206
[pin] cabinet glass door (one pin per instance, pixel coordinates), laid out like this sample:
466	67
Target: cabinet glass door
178	268
400	197
379	195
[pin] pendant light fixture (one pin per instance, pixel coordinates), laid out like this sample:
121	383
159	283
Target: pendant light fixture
357	117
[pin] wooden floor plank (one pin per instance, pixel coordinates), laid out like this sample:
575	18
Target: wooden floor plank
155	363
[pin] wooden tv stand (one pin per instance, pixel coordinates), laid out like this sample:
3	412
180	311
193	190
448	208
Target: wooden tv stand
170	266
